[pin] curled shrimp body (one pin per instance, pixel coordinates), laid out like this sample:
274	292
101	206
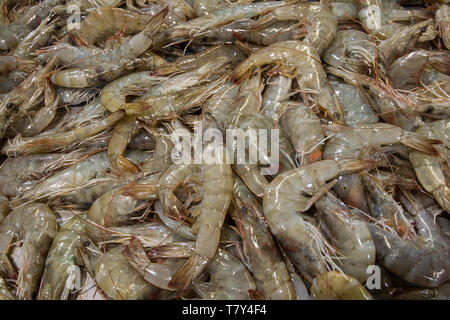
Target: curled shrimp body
112	96
305	131
350	234
213	208
310	75
115	208
62	272
118	279
288	195
173	177
352	50
35	224
428	168
270	272
229	279
322	23
338	286
120	138
158	274
425	259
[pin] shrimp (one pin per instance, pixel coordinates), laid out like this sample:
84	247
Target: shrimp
21	174
322	23
212	211
352	100
91	76
34	40
173	177
305	131
118	279
338	286
229	279
231	53
242	30
25	96
77	176
51	142
120	138
275	94
401	42
350	235
296	191
305	61
423	260
428	168
392	106
383	207
350	143
403	72
442	20
116	207
271	275
107	21
196	27
157	274
10	63
352	50
62	274
35	224
113	97
106	60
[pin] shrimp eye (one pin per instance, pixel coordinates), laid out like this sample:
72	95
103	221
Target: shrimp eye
366	87
10	105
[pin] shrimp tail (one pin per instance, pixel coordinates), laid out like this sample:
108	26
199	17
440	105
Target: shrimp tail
351	166
140	190
155	23
170	250
256	295
421	143
135	252
136	107
176	207
123	164
186	273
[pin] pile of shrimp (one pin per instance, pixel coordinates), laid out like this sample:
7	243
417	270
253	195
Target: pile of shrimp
95	205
